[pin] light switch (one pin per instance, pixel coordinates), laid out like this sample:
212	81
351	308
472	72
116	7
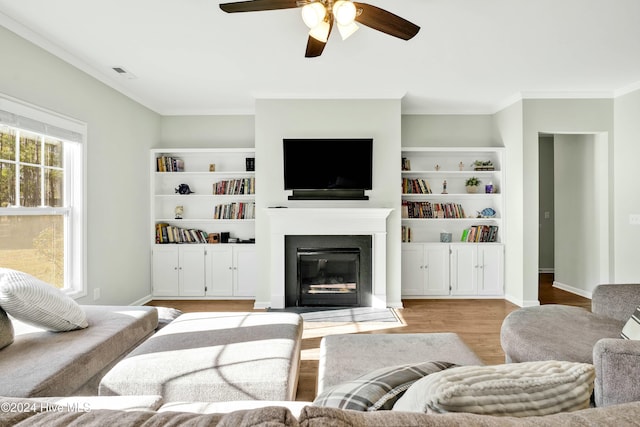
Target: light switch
547	215
634	219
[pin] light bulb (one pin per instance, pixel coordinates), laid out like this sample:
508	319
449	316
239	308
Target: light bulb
321	31
347	30
344	12
313	14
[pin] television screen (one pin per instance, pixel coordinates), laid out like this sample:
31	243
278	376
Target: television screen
326	164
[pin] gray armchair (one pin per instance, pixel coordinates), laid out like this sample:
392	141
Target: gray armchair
560	332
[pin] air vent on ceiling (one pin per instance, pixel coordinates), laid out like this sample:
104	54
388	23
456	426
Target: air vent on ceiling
123	72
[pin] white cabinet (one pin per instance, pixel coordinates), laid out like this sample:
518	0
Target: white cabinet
178	270
456	270
231	270
477	269
425	269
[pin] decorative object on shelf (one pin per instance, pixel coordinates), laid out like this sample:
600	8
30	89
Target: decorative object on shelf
444	187
183	189
488	188
437	168
179	211
461	166
487	213
445	237
471	184
250	164
212	167
406	164
224	237
213	238
480	165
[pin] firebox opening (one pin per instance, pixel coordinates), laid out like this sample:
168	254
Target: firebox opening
328	276
328	271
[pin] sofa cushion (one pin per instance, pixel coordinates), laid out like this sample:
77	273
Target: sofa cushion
631	330
36	302
517	389
6	329
44	363
379	389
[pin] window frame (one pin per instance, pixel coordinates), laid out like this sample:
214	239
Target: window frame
30	118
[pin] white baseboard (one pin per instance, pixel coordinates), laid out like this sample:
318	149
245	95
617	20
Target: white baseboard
520	302
261	305
142	301
573	290
546	270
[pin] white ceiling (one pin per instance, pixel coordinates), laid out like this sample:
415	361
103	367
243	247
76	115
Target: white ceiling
470	56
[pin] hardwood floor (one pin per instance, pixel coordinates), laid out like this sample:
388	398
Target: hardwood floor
476	321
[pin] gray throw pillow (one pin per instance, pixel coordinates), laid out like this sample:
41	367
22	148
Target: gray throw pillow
35	302
6	330
379	389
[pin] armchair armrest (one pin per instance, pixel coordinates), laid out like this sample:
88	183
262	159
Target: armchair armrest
616	301
617	363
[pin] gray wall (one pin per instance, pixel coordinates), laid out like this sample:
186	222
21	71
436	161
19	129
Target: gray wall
581	247
120	133
626	201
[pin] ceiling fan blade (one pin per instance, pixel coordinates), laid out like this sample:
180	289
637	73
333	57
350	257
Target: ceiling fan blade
315	46
387	22
258	5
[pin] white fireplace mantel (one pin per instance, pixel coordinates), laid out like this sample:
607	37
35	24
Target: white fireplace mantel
328	221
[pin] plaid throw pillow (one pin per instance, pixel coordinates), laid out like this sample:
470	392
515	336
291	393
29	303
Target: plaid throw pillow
631	330
377	390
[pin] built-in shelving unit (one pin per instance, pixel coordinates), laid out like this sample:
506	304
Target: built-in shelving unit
202	239
445	170
452	239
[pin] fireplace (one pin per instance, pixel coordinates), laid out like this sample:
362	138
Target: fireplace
328	271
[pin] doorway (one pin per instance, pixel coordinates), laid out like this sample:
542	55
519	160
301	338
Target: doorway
573	210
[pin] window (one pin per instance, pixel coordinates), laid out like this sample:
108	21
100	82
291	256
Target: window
41	195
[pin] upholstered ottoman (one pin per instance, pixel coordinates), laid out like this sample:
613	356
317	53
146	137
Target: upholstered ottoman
346	357
214	357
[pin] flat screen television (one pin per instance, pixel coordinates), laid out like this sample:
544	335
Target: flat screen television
329	168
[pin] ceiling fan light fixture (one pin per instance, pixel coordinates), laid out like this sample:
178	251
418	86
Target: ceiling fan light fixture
344	12
313	14
321	31
347	30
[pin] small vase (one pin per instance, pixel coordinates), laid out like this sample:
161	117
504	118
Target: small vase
472	188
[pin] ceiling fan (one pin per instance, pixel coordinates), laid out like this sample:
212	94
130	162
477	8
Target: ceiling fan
320	15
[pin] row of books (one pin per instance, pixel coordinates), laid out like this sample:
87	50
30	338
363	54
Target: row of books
236	210
406	234
166	233
415	186
480	234
169	164
235	186
431	210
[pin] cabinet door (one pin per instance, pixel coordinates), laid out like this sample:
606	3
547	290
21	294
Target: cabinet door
491	260
413	269
192	280
220	269
436	270
165	270
245	270
464	269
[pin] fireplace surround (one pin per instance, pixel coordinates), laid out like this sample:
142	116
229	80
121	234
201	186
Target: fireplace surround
328	222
